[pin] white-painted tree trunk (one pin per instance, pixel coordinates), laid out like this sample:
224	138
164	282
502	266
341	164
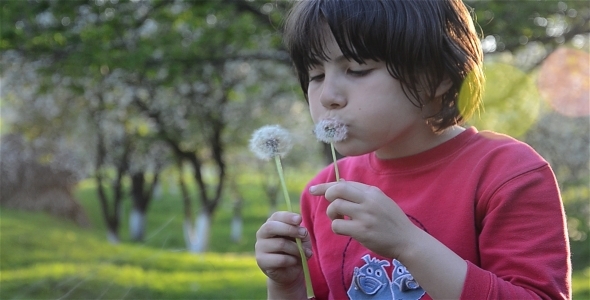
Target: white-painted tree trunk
189	234
137	222
158	191
198	239
236	229
202	229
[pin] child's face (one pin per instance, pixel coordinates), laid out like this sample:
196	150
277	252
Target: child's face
371	103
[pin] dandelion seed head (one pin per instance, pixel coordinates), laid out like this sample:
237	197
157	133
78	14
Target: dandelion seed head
330	131
269	141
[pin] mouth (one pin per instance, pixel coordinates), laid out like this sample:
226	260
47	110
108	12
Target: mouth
331	130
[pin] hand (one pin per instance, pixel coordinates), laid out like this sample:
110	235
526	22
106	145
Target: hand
277	254
373	219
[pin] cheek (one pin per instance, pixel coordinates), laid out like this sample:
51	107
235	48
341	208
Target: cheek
315	111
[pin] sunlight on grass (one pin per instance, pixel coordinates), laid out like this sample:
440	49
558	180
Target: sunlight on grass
581	284
41	261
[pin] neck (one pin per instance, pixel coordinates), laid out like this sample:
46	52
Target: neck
418	143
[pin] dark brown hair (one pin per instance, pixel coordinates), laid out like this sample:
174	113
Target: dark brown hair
422	42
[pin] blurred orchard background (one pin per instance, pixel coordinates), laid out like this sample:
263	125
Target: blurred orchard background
124	165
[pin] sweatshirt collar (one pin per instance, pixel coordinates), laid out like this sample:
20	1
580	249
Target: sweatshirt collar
422	159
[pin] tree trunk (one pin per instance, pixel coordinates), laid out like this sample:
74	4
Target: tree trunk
189	233
237	222
209	194
187	227
111	213
202	233
141	194
137	223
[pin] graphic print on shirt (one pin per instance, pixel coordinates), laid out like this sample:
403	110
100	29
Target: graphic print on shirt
371	282
403	285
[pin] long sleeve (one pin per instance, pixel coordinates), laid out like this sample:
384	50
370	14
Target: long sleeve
523	246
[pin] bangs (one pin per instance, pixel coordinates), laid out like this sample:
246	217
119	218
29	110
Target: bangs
357	27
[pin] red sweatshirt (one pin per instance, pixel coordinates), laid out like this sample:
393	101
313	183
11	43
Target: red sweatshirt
490	198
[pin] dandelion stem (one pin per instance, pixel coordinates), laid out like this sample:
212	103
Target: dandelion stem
308	287
335	162
283	184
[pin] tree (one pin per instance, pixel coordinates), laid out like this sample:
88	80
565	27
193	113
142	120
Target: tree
513	25
153	157
173	59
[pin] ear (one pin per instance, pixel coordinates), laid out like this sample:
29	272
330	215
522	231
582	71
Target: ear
443	87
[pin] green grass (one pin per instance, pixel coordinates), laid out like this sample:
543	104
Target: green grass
42	257
45	258
581	284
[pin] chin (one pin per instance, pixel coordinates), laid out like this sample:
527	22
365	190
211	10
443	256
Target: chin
345	151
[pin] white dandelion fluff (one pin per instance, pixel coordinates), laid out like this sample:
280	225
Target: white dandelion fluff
270	141
330	131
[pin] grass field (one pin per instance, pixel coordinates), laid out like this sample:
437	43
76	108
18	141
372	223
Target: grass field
42	257
45	258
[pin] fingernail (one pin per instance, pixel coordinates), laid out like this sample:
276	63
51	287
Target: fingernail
312	189
302	232
308	252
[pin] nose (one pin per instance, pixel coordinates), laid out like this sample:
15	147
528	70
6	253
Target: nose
332	95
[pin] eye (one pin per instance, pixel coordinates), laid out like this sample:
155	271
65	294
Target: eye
378	273
359	73
369	271
317	77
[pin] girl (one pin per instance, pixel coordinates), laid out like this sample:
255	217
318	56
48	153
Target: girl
427	208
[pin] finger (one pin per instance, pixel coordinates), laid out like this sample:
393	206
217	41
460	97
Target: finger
340	208
349	190
270	261
272	229
277	246
344	227
320	189
286	217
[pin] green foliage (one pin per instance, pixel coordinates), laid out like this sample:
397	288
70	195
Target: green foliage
516	23
89	38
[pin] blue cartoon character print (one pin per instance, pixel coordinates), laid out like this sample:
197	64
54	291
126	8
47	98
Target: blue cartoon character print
370	281
403	285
